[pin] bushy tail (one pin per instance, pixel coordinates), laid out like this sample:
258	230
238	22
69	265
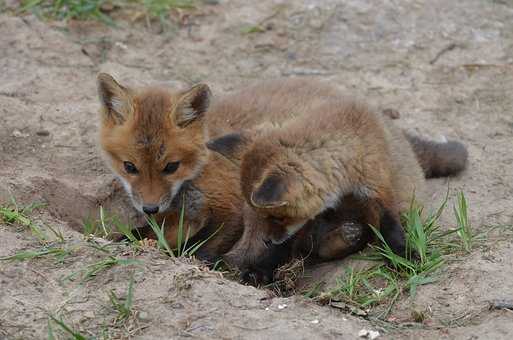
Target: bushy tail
439	159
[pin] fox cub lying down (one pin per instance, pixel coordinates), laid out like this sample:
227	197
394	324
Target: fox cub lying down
307	169
313	184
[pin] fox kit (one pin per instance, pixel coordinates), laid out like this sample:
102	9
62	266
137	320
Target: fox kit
302	172
154	141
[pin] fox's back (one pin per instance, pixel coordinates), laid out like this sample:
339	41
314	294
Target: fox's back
266	103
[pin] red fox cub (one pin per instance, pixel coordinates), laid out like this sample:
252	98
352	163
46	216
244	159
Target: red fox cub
154	141
303	172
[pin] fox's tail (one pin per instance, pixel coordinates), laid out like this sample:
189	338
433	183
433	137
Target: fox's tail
439	159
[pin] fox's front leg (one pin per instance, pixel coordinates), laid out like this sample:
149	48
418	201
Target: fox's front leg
344	240
382	214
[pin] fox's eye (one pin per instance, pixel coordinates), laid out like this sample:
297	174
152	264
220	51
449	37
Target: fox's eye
130	168
170	168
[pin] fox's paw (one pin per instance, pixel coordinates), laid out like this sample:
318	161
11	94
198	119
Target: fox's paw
351	232
256	276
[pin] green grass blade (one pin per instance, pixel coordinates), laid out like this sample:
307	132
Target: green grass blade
75	335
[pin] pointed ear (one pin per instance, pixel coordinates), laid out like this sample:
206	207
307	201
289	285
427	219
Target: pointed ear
270	193
115	99
231	146
192	105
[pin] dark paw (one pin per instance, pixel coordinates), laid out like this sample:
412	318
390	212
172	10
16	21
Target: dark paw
351	232
256	277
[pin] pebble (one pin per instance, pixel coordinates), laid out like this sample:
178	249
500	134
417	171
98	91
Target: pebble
368	334
43	133
143	316
18	134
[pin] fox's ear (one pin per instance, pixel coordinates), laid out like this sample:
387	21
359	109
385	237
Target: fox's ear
270	193
192	105
114	98
231	146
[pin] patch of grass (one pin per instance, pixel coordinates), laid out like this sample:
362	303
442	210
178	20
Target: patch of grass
160	9
102	10
183	249
123	308
427	248
101	227
59	253
91	270
67	9
464	230
16	214
366	288
105	225
253	29
76	335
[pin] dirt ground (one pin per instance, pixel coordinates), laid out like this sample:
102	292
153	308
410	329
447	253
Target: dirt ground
446	66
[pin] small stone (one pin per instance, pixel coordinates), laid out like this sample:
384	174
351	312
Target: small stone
143	316
121	45
392	113
43	133
368	334
283	306
314	321
89	314
18	134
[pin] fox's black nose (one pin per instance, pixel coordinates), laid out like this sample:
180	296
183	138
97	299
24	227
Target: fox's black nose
151	209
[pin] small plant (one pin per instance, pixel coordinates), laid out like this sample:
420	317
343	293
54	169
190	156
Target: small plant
426	248
67	9
94	269
161	238
124	308
59	253
101	9
67	329
160	8
464	230
15	214
182	246
106	224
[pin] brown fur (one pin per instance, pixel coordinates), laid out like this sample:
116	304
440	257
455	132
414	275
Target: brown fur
294	172
439	159
298	169
151	127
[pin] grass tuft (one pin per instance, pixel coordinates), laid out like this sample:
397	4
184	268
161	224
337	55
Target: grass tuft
102	10
68	9
15	214
67	329
91	270
464	230
124	309
59	253
427	248
183	249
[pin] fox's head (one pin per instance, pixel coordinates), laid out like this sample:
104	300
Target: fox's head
272	185
153	139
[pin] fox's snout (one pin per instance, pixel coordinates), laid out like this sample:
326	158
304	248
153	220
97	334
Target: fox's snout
149	204
150	209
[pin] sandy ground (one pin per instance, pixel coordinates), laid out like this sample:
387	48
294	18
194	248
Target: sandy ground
447	66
